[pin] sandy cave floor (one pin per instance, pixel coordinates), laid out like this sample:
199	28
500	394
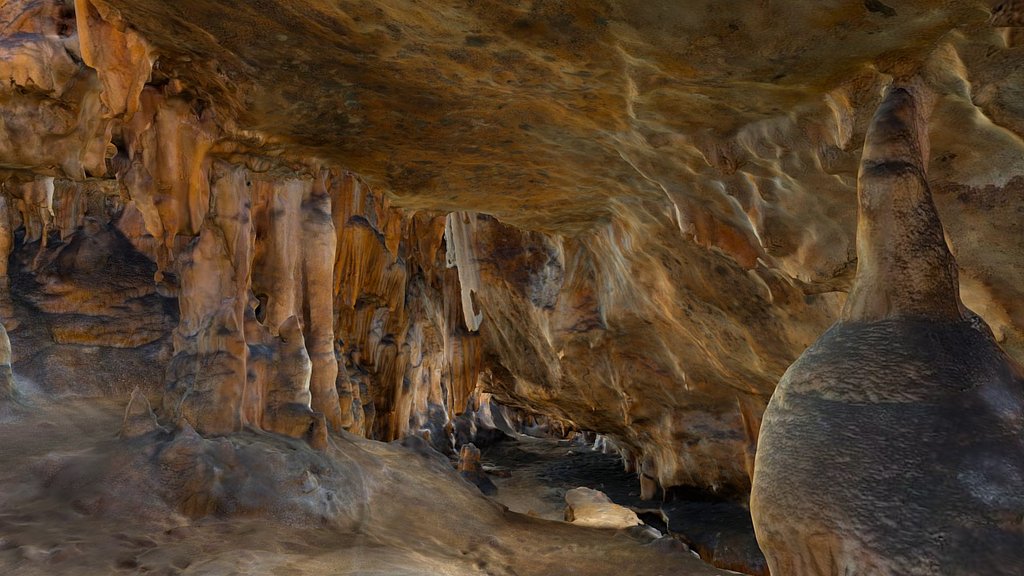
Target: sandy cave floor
428	522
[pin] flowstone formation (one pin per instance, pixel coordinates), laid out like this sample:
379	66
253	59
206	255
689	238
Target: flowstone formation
893	446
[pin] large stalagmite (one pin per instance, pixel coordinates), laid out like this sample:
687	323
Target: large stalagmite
893	446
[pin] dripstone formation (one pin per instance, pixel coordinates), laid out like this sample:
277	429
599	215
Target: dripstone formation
894	445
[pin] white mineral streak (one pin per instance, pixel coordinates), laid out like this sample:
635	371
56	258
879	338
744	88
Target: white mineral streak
458	237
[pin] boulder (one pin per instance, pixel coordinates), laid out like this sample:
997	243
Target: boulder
588	507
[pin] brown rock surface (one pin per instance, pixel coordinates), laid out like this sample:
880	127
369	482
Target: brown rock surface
139	418
472	470
78	502
630	216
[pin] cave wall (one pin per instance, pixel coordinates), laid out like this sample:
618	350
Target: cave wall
626	331
151	247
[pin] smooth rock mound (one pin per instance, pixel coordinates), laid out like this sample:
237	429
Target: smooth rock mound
258	503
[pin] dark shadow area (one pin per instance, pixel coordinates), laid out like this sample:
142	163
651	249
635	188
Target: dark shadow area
719	530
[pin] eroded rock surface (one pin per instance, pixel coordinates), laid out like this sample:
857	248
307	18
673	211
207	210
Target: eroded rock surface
154	245
659	198
77	501
893	445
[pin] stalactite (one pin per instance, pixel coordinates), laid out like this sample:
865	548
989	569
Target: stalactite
370	295
277	269
122	59
166	146
461	254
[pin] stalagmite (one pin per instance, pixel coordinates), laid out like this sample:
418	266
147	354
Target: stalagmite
288	397
893	445
472	470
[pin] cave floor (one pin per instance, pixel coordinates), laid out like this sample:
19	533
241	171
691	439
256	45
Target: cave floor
423	519
541	470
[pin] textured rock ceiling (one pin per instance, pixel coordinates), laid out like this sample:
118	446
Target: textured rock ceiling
556	115
655	200
740	126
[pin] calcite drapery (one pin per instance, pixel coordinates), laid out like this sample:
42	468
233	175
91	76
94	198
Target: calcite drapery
893	445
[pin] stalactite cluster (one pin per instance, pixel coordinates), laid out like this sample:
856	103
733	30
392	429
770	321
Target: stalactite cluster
272	291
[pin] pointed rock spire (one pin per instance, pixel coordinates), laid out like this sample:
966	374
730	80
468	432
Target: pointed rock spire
904	267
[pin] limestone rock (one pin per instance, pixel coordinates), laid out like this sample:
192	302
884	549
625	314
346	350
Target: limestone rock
121	58
893	445
483	423
589	507
288	409
205	376
156	496
95	289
